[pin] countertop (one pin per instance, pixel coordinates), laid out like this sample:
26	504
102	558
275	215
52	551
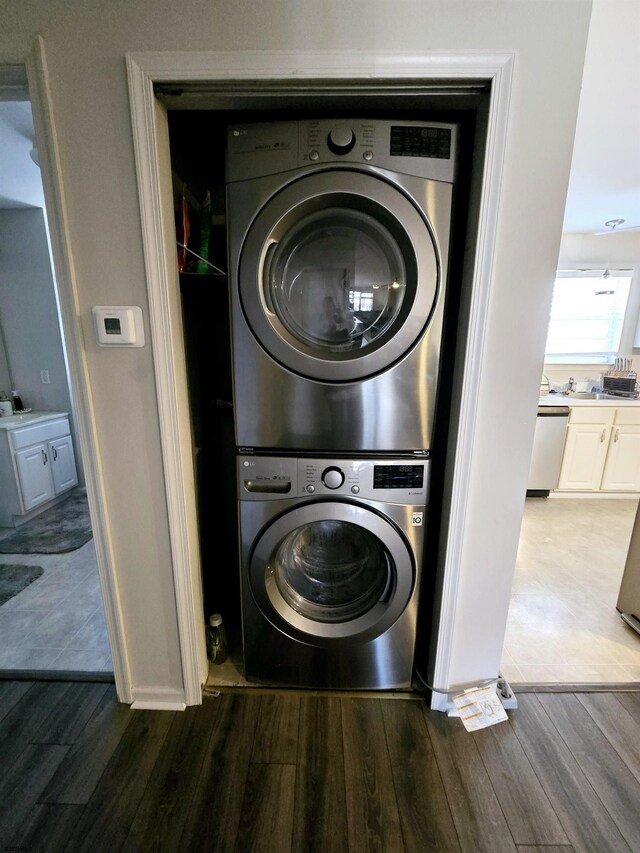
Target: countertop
564	400
9	422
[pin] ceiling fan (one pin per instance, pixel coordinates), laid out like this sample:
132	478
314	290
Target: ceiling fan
613	226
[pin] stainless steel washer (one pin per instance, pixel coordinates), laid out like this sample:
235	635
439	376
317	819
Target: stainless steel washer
338	244
331	551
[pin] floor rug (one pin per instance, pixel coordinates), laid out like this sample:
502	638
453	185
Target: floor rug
62	528
15	578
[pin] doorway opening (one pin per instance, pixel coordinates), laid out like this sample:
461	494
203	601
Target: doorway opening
564	623
197	142
52	618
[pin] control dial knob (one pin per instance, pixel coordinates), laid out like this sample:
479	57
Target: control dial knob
332	477
341	139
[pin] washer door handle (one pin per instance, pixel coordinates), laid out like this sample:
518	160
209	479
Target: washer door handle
265	274
386	596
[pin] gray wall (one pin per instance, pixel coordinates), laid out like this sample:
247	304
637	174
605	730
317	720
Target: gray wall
29	313
29	316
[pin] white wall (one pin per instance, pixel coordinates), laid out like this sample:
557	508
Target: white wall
85	43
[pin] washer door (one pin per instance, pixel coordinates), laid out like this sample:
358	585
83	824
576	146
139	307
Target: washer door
331	571
338	276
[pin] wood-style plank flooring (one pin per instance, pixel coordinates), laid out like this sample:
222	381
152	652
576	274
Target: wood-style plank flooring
292	772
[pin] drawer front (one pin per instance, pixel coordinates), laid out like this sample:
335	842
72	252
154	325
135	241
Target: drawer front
628	415
592	415
26	436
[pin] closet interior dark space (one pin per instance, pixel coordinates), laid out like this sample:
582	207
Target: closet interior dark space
197	145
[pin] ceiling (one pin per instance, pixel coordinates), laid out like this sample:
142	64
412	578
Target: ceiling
605	169
605	172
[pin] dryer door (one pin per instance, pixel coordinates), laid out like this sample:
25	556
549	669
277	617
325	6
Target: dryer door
339	275
331	571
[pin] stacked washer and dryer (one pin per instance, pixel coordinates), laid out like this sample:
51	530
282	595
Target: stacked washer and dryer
338	244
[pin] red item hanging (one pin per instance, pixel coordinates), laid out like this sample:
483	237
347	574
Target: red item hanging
182	233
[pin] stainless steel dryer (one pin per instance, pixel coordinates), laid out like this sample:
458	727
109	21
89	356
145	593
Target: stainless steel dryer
338	243
330	553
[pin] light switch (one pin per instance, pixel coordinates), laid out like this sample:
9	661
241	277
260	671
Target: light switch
118	325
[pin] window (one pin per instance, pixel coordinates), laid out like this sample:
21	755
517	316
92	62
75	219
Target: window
360	300
587	313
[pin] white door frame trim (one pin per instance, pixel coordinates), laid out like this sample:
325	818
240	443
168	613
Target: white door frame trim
145	69
83	410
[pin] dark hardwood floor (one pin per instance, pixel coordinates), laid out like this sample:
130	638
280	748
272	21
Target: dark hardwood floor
284	772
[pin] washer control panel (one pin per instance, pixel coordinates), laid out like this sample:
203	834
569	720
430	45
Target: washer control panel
389	480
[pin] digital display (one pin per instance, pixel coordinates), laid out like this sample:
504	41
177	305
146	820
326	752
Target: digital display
398	476
411	141
112	326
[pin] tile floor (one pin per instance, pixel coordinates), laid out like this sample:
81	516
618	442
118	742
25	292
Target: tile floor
563	625
57	622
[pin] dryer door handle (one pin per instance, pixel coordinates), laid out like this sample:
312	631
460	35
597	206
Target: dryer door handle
266	275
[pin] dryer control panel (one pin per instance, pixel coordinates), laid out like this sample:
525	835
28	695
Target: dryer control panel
422	149
402	481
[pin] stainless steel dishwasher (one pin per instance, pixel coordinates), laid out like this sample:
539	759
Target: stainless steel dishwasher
548	444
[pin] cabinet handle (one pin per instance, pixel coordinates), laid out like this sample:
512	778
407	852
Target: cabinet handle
44	457
55	454
615	437
604	432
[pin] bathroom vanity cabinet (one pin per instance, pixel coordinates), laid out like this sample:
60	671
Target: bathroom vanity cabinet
37	463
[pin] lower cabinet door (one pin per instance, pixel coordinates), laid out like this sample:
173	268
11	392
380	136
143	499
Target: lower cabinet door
622	468
63	464
585	451
36	485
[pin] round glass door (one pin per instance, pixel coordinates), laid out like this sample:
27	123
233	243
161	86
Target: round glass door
338	275
337	281
330	570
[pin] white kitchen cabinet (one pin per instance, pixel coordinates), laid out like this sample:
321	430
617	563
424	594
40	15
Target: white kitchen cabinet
37	464
585	452
622	467
602	450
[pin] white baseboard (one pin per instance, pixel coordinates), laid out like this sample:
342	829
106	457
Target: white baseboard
158	699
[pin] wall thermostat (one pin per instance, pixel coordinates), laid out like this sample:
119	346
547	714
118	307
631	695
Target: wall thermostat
118	325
